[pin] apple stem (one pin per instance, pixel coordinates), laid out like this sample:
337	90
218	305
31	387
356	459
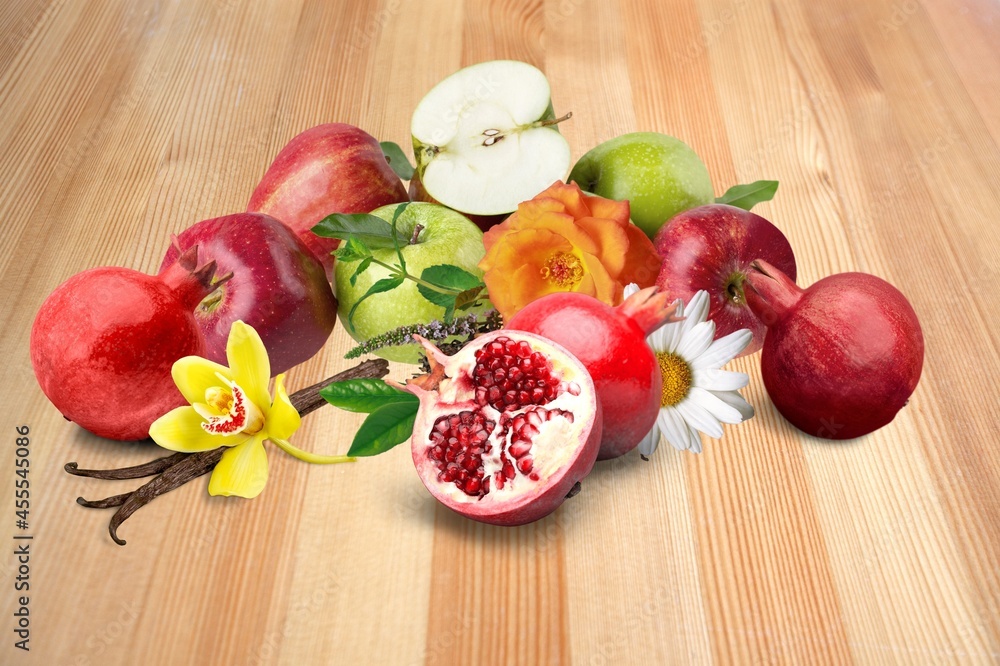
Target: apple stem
416	234
556	121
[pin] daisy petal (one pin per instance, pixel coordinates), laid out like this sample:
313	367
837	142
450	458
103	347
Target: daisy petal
242	471
698	417
711	379
736	401
696	341
694	441
283	419
673	428
248	362
180	430
194	375
718	409
725	349
696	310
649	443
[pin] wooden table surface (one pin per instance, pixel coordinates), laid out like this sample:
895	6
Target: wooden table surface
123	122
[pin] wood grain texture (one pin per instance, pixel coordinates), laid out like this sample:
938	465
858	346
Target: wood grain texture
124	122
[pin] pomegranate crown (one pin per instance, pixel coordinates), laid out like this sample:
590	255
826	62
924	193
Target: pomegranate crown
650	308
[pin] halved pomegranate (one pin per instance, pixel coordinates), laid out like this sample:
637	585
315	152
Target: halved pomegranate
506	427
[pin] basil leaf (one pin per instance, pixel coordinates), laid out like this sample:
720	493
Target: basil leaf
352	250
397	159
469	297
362	267
364	395
385	284
452	278
384	428
748	196
371	230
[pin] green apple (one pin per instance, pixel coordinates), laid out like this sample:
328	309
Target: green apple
659	175
447	237
485	138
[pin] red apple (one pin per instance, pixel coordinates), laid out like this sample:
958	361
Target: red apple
278	287
711	247
331	168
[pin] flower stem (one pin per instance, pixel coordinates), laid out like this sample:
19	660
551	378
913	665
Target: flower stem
305	456
396	270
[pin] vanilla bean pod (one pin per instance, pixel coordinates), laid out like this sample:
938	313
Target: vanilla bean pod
175	470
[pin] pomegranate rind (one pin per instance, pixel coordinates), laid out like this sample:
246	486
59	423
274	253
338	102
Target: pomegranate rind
613	348
563	452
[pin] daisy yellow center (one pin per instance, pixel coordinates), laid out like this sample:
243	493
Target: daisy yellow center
676	378
563	268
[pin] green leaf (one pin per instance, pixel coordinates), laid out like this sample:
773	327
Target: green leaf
455	280
395	235
364	395
362	267
385	284
748	196
397	160
352	250
384	428
469	297
370	230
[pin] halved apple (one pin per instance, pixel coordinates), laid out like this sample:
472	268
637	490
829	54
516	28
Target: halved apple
485	138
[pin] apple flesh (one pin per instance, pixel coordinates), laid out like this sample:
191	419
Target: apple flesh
330	168
278	287
485	138
712	247
484	222
447	237
657	174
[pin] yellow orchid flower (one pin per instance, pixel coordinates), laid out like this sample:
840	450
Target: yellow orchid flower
231	407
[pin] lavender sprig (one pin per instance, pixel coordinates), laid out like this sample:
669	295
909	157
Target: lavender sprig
467	326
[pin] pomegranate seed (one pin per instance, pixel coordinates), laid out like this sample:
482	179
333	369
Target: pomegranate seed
472	486
508	469
534	476
524	464
520	449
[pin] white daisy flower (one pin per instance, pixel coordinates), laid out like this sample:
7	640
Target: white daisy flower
698	395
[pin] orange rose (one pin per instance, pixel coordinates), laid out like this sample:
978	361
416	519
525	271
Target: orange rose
565	240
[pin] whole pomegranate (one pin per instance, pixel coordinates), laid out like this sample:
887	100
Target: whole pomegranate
611	343
278	287
506	427
840	358
104	341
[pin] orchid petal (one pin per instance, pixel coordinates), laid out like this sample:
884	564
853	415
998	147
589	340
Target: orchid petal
249	364
180	430
194	375
283	419
242	471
